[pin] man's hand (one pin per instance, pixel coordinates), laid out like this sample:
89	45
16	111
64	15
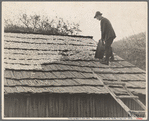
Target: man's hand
103	43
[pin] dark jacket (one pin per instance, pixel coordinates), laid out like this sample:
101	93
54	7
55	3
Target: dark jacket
107	30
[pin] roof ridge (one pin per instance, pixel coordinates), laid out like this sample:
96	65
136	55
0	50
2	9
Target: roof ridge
81	36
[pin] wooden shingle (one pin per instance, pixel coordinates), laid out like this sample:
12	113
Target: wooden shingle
17	82
65	67
69	74
39	75
17	74
142	76
50	75
61	64
115	64
10	82
7	74
87	75
24	82
5	82
139	84
8	90
59	74
88	81
77	74
20	89
125	63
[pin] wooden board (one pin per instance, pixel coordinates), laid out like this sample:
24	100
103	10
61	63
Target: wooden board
64	67
10	82
29	52
72	89
54	82
26	82
54	37
128	70
99	90
115	64
30	62
138	76
17	74
23	67
49	39
59	74
26	74
49	47
87	81
129	77
32	75
68	74
137	84
20	89
33	41
107	76
29	57
39	75
50	75
77	74
8	90
70	82
99	65
138	91
117	58
87	75
5	82
142	76
46	42
86	69
55	67
125	63
103	70
84	63
8	74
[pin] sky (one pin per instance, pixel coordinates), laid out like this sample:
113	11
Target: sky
127	18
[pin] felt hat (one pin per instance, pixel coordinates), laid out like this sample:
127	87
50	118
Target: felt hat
97	13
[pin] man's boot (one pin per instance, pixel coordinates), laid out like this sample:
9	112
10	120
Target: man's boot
112	58
105	62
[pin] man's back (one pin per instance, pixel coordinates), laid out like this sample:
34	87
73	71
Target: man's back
107	29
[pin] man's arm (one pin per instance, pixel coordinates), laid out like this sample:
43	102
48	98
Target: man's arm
103	29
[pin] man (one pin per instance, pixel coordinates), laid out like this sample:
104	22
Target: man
107	36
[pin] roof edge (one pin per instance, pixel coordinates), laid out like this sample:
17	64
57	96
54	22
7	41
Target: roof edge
81	36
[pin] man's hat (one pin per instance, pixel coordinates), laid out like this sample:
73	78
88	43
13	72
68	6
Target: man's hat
97	13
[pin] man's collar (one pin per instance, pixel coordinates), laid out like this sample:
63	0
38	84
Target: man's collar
102	18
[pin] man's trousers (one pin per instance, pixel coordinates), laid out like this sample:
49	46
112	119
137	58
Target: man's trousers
108	48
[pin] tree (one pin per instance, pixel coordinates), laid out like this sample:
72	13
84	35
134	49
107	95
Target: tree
37	24
35	20
25	20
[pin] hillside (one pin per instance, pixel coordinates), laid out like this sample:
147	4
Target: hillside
132	49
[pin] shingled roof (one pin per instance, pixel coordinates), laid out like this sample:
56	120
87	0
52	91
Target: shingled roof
62	64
